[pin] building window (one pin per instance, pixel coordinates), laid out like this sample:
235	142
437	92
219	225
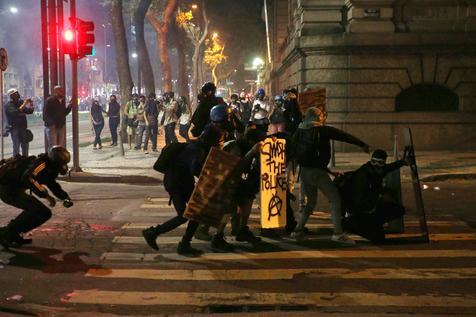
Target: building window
427	97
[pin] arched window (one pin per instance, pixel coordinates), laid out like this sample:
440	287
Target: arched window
427	97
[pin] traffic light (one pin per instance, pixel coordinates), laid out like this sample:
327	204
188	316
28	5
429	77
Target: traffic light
86	37
69	42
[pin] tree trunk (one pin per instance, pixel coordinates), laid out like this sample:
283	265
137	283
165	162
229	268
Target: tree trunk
214	76
143	54
122	60
182	82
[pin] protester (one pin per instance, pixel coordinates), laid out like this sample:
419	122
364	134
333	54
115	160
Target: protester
292	113
179	182
311	147
261	111
142	123
98	123
171	118
207	100
366	202
16	111
31	173
276	118
185	116
151	114
245	110
130	113
114	114
54	116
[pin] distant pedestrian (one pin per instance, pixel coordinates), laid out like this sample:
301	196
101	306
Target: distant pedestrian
151	114
54	116
130	113
98	123
16	111
185	117
141	123
171	109
114	114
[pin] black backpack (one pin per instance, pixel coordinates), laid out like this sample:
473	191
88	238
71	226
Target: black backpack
12	168
305	147
168	153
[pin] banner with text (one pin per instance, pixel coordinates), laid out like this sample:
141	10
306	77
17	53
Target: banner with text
273	183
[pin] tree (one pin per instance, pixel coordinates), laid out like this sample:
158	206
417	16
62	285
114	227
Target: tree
214	55
122	59
180	43
197	36
143	54
162	26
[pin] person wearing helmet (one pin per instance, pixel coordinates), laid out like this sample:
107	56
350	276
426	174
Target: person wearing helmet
223	117
366	201
179	182
276	119
207	100
32	173
261	111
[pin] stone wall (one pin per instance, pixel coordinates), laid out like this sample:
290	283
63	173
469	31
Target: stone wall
367	52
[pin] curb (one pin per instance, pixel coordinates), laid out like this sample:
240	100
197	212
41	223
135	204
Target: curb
446	177
84	177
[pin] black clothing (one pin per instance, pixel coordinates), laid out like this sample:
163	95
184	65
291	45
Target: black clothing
292	116
97	133
16	117
96	114
151	112
318	146
55	112
113	124
201	116
114	110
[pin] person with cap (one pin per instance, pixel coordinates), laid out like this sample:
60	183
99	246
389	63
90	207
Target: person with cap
114	114
207	100
179	182
32	173
130	115
311	148
54	116
171	108
151	110
367	204
261	111
16	111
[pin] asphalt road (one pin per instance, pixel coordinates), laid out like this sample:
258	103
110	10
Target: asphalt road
91	259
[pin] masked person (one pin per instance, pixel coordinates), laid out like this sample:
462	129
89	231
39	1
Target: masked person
276	119
311	147
16	111
261	111
31	173
179	182
130	113
292	113
114	114
207	100
368	205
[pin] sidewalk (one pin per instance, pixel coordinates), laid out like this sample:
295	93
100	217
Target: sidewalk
107	165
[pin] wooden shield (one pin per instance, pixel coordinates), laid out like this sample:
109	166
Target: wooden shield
214	193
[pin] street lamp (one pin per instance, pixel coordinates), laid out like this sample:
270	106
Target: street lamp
258	62
13	10
194	6
134	55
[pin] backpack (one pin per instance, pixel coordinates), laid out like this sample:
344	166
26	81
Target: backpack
305	149
168	153
12	168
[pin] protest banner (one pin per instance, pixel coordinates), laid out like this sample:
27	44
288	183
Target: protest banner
273	183
214	192
312	98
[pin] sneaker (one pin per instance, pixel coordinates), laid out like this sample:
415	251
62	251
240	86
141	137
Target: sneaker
342	238
203	234
146	152
150	236
219	243
187	250
245	234
297	235
99	147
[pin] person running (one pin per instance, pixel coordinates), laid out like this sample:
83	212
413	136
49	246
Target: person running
98	123
179	182
311	147
114	114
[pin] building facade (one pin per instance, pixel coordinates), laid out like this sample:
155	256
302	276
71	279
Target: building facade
386	65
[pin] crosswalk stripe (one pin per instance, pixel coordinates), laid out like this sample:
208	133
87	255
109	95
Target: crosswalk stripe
287	255
285	274
322	299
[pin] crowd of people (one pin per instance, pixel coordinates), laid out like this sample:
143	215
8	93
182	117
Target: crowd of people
359	202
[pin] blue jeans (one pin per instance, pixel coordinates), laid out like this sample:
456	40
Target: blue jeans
55	136
18	137
97	130
113	124
140	134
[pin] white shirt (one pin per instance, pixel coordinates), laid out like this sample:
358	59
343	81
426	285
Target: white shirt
264	110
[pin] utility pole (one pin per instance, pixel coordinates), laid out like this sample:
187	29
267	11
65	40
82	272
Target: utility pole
74	94
61	66
44	53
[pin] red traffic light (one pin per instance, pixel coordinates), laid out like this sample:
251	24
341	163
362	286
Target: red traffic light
68	42
68	35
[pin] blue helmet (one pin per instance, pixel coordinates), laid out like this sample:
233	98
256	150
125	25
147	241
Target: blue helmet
278	98
219	113
261	92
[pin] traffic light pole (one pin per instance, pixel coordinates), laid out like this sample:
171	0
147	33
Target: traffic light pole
74	94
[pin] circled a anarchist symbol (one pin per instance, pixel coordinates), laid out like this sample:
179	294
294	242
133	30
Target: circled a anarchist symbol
274	207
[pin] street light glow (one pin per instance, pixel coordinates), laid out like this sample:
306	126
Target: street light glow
258	61
134	55
215	35
194	6
14	10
